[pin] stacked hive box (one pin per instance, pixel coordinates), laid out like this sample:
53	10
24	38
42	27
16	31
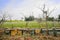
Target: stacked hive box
1	32
7	32
32	32
19	32
37	31
14	32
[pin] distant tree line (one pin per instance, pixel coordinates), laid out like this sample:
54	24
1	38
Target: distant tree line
30	18
50	18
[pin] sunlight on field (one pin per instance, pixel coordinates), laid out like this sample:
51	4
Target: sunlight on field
31	24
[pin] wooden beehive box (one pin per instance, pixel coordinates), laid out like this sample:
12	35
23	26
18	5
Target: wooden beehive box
32	32
1	31
7	31
19	32
14	32
37	31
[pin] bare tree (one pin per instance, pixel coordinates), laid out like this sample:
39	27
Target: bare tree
3	17
2	20
46	13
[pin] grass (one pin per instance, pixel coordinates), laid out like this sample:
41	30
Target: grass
31	24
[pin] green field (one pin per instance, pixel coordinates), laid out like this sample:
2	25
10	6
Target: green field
31	24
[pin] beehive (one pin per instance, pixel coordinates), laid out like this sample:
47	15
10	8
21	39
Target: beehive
19	32
37	31
14	32
1	32
32	32
7	32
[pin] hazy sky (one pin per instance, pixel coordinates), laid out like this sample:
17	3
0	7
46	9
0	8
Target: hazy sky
16	8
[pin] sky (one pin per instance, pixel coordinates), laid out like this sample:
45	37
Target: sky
17	9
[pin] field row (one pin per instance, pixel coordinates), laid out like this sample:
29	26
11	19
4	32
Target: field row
31	24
